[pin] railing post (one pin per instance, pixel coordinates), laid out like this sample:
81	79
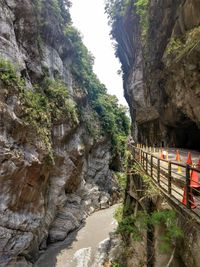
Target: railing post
151	166
146	162
134	152
188	204
169	178
143	158
158	171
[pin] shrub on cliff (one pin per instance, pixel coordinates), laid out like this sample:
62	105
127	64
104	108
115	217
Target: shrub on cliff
49	99
111	115
41	105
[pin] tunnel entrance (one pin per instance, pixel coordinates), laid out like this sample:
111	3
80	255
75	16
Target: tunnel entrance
187	135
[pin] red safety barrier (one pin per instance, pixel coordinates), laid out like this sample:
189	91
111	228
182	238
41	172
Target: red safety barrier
189	159
191	199
194	179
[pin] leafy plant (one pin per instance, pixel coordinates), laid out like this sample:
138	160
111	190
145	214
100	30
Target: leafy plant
116	9
116	264
180	48
44	104
141	10
111	115
135	225
53	95
122	180
59	101
150	189
58	8
173	45
37	114
166	218
113	119
9	75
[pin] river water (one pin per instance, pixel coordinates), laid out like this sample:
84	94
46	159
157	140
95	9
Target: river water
83	248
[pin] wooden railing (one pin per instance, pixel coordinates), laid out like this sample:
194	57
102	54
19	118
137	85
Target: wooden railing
174	178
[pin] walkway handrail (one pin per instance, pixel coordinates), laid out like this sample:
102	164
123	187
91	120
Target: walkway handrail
178	180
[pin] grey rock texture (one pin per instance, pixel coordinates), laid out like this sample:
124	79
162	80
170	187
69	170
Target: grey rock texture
41	203
160	67
161	81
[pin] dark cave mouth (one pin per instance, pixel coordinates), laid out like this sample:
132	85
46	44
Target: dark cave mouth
186	134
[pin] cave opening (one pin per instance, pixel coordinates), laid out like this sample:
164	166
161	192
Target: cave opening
187	135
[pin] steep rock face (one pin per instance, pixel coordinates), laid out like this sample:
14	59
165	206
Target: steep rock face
161	84
161	77
41	200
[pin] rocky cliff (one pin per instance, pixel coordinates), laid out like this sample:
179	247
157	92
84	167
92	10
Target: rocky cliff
57	146
158	46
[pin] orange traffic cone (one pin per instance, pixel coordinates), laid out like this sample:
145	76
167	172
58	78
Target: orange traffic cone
194	179
189	160
191	199
177	155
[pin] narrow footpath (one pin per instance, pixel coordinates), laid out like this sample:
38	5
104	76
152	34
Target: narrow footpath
83	248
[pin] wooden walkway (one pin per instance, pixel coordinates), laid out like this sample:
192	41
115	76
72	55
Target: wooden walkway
173	178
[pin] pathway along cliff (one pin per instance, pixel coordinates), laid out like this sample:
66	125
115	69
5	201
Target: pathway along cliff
84	248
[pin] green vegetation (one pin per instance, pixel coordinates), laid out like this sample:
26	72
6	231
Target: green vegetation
131	225
39	5
178	48
41	106
119	213
113	120
141	10
59	8
49	100
91	122
168	219
116	264
122	180
135	226
59	101
112	116
173	45
8	74
150	189
116	9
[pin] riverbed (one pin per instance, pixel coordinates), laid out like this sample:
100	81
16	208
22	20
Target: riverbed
83	248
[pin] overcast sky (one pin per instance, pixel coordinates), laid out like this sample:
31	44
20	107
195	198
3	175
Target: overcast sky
89	18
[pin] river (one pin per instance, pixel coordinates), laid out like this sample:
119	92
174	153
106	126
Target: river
83	248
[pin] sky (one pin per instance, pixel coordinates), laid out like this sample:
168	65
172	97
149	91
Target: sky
89	18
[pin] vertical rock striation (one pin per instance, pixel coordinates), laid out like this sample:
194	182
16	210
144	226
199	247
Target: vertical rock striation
158	46
54	171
